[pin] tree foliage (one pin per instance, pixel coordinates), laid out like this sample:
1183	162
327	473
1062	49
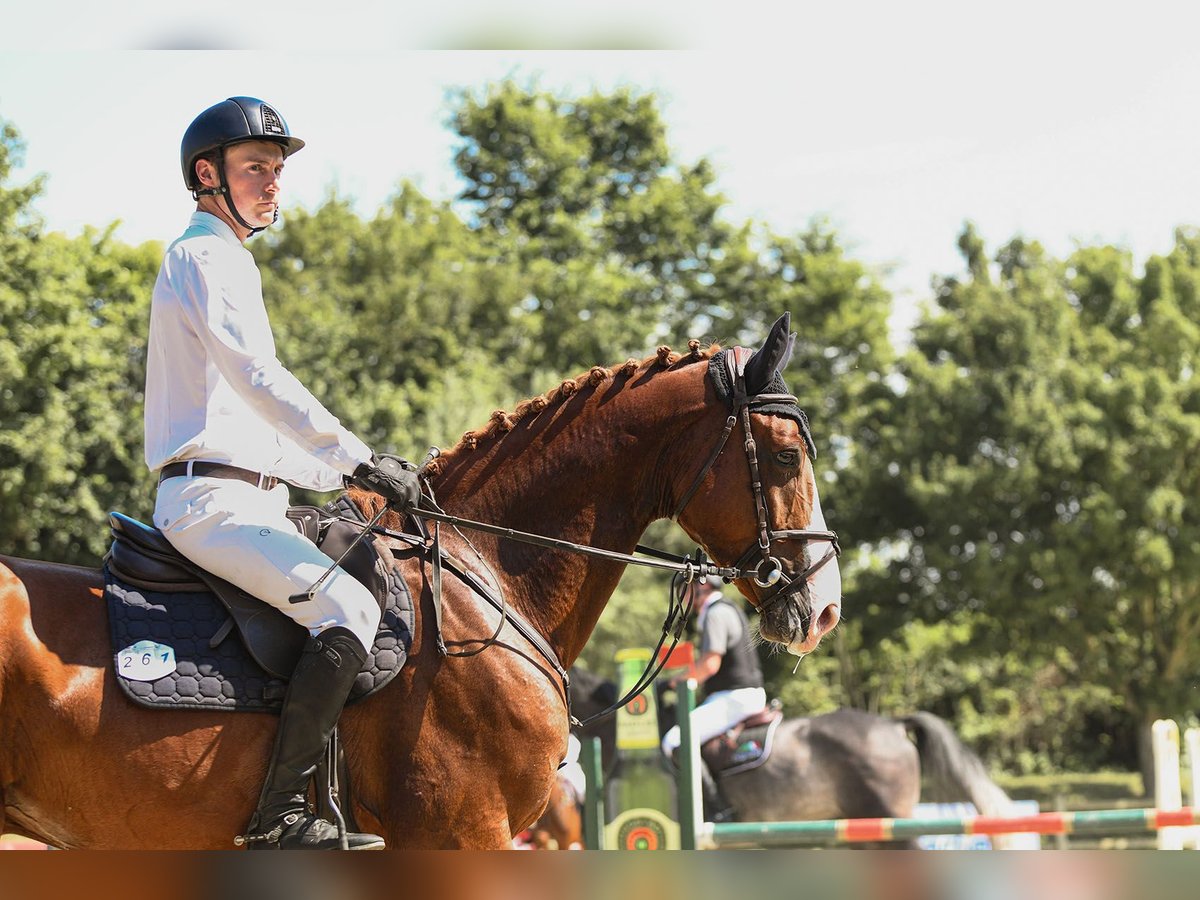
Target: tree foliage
73	314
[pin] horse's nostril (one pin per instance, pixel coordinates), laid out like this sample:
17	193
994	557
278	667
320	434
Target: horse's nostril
827	620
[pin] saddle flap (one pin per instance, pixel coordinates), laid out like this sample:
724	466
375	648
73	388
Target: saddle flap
308	521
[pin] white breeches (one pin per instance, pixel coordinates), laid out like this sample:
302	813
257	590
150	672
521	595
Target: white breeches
717	713
241	533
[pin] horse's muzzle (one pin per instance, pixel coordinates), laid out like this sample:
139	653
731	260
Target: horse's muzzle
798	618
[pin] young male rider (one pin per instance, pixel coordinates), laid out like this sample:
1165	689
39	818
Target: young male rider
226	425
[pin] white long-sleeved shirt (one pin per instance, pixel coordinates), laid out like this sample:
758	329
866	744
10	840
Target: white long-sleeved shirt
214	389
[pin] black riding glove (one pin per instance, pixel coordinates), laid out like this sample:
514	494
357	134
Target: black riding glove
388	478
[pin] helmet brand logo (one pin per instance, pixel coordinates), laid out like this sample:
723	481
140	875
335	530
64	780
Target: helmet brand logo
272	123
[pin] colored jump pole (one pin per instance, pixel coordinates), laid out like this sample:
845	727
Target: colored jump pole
843	831
691	813
696	833
593	794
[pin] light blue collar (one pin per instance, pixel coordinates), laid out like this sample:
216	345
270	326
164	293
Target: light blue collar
204	221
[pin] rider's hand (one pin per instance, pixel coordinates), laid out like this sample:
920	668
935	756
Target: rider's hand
397	485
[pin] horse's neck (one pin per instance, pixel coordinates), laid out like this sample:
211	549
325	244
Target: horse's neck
596	476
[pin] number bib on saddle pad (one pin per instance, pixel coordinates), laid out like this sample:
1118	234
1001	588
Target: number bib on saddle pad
174	640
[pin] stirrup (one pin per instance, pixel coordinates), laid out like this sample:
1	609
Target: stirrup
296	828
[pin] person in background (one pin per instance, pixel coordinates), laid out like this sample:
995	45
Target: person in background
730	679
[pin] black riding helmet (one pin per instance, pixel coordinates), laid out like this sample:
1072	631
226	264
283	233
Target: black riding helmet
231	121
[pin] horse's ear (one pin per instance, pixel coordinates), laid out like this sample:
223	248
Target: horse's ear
771	357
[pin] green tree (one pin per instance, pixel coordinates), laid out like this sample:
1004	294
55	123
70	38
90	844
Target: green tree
72	316
377	316
611	234
1031	471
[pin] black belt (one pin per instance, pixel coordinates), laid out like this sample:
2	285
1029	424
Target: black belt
200	469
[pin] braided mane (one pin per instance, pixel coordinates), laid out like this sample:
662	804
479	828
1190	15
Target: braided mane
502	422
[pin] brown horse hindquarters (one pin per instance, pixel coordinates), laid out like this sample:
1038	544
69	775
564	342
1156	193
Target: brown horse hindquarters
82	766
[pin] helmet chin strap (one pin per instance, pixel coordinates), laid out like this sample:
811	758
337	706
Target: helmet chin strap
229	204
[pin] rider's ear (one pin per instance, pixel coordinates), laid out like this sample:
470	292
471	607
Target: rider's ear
206	172
770	357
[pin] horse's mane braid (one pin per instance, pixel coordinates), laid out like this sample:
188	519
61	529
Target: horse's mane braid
502	422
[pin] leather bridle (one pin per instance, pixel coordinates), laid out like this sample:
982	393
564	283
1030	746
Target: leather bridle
769	570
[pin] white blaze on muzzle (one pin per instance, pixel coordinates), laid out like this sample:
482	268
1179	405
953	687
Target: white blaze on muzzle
825	584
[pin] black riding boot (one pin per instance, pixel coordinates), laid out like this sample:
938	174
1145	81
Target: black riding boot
315	697
716	807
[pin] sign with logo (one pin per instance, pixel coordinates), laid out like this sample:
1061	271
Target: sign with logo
637	720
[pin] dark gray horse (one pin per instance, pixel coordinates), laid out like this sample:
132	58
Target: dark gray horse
850	764
847	764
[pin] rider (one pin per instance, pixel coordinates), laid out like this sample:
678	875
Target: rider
731	679
226	424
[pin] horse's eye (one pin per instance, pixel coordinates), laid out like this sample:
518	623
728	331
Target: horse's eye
789	458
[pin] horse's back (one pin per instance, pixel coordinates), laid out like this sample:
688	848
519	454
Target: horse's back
51	616
844	764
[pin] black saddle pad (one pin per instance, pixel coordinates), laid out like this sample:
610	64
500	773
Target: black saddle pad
162	643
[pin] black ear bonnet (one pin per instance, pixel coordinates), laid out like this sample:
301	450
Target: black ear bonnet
721	368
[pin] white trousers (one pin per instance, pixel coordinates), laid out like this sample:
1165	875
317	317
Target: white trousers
717	713
241	533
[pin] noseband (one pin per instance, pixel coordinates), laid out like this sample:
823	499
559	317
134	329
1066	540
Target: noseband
769	570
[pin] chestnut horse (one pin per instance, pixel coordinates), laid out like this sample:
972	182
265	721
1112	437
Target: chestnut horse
454	751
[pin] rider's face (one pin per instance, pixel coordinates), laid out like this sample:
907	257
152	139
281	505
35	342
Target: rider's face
252	171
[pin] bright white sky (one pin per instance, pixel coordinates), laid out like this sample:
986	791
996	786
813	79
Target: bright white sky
1064	122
